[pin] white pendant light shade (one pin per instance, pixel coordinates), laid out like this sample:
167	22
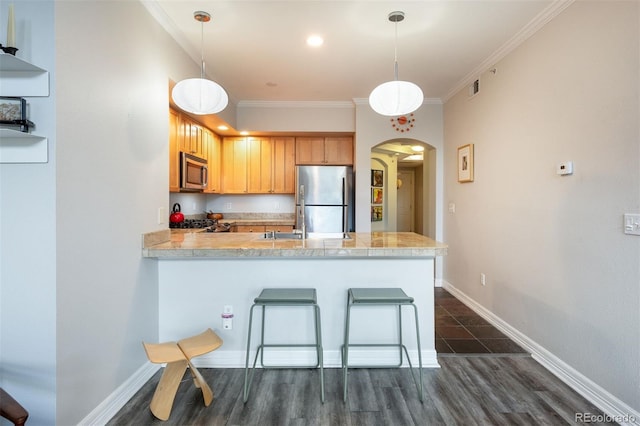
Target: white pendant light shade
200	96
396	98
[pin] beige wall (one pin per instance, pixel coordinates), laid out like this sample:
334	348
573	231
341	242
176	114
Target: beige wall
112	174
559	268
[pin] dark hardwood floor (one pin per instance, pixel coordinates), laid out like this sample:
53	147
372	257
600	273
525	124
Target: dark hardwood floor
466	390
480	382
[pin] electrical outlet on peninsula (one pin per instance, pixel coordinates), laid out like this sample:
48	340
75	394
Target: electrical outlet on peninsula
227	317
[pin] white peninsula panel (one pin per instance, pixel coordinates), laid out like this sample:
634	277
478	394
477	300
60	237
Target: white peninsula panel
193	293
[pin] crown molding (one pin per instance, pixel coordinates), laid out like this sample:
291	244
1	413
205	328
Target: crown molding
170	27
537	23
427	101
296	104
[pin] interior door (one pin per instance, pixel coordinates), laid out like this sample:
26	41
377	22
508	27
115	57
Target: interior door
405	210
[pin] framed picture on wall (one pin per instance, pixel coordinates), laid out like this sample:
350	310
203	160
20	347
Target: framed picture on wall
465	163
376	195
377	178
376	213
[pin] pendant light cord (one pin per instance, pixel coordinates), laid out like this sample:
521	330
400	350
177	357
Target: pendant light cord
395	53
202	49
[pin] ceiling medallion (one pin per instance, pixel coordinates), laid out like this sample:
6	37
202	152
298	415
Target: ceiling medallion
403	123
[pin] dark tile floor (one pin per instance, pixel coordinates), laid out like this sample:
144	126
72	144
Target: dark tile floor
459	330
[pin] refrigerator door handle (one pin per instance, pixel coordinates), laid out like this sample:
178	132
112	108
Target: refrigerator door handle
345	208
302	218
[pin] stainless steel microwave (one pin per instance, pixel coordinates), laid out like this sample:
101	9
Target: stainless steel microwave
194	173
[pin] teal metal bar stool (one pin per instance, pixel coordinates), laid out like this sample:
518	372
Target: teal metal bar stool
284	297
378	297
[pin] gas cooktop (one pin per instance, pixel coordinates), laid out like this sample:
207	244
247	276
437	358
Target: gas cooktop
193	223
211	225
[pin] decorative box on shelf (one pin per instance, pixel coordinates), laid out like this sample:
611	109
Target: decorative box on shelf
17	145
13	114
19	78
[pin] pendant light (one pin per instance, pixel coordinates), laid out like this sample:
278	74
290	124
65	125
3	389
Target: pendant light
396	97
200	95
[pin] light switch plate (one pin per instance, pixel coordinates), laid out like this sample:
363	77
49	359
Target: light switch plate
565	168
162	215
632	224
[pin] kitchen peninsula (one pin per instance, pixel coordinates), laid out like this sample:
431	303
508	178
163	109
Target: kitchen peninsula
199	274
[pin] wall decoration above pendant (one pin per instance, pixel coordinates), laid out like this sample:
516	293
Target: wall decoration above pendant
403	123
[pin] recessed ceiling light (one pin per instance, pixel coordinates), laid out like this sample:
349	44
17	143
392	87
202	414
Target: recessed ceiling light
244	133
315	41
417	148
223	127
414	157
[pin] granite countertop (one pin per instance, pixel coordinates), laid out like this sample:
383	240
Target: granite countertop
167	244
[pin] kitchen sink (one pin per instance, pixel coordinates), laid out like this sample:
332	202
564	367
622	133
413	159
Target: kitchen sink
282	235
310	236
329	235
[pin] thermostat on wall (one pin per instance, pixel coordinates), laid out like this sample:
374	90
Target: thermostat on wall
565	168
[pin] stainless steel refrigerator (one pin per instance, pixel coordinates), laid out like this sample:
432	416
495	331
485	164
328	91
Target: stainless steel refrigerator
325	200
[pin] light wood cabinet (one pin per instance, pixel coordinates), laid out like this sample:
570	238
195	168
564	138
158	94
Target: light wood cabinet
284	165
185	135
234	165
278	228
212	153
324	151
174	152
263	228
338	150
309	150
258	165
191	133
249	228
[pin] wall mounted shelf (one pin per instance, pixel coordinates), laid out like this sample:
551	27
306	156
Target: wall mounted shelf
20	147
20	78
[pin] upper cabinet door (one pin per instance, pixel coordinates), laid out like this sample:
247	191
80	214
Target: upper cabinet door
260	159
338	151
234	165
174	152
283	166
324	151
212	150
310	150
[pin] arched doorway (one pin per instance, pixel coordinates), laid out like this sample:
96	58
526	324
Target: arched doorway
408	193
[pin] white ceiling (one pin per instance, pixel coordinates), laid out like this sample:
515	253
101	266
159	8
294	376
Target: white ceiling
257	49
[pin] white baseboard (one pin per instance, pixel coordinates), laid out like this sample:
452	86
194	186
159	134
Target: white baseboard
119	397
617	410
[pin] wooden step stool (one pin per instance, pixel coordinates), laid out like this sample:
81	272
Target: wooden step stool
178	356
12	410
